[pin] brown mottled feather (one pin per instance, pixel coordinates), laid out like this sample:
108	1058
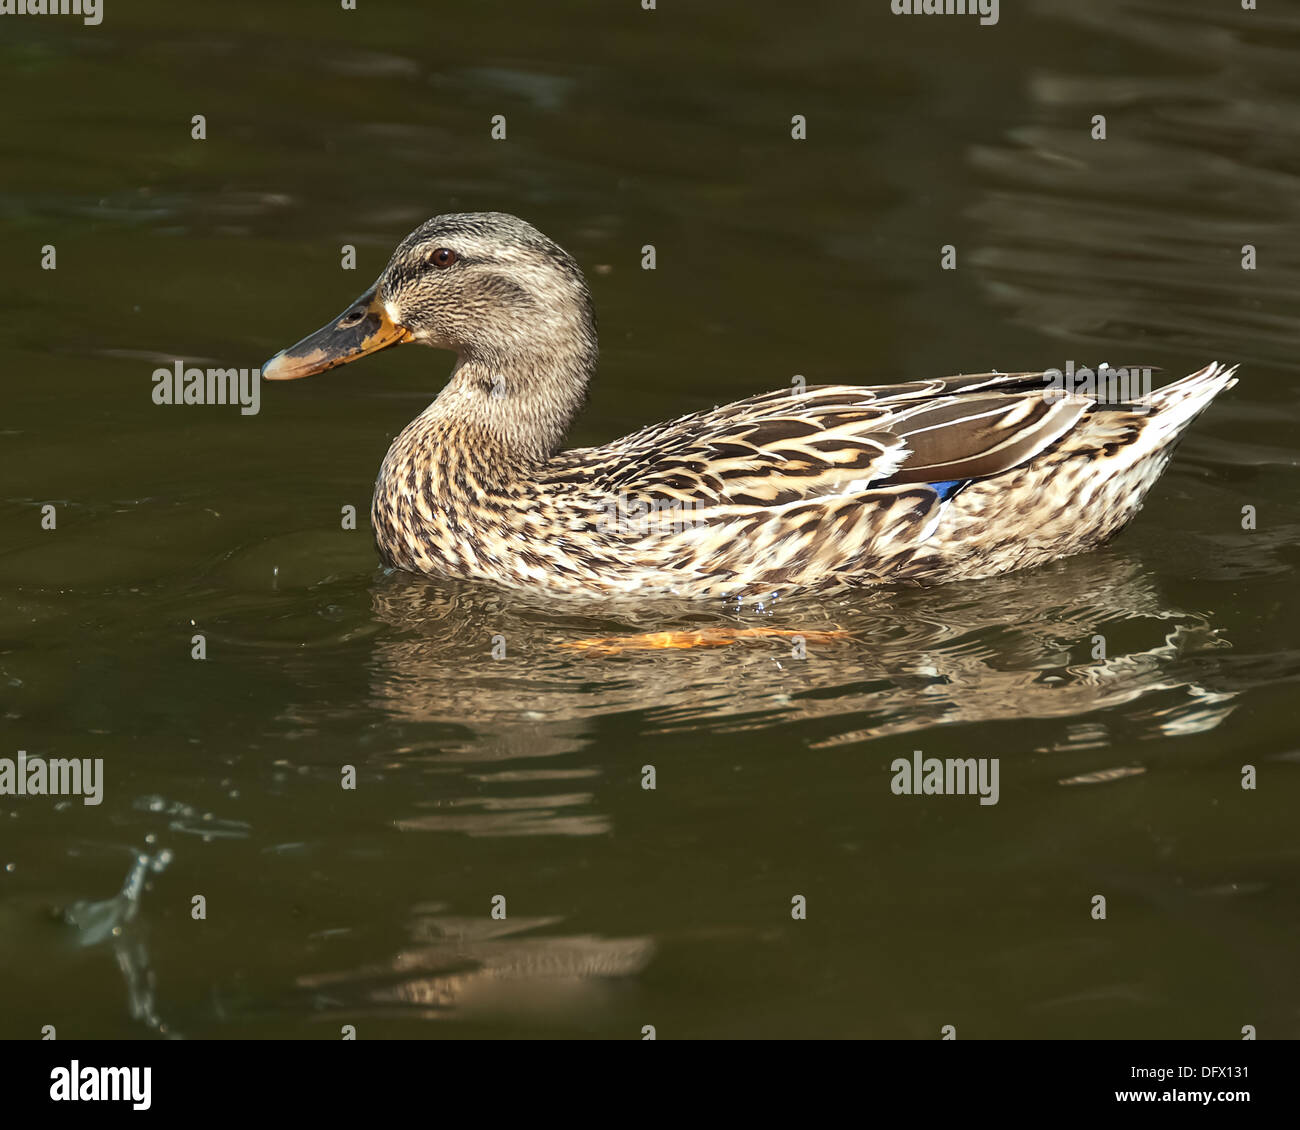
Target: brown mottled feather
822	489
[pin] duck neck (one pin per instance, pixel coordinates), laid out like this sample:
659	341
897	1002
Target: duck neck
507	413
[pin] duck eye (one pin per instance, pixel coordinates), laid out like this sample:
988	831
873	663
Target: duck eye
443	257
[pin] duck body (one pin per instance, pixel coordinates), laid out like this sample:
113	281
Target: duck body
811	490
786	492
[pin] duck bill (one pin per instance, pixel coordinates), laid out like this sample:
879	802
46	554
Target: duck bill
364	327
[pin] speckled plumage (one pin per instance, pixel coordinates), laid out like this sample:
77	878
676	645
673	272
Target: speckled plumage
790	491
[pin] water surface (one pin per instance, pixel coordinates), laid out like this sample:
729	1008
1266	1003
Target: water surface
521	776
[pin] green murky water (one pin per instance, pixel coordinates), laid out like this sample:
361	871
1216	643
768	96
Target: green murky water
521	776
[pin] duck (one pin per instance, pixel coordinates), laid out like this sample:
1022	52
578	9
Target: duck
809	489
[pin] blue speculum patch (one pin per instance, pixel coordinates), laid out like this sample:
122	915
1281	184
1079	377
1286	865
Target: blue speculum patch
948	487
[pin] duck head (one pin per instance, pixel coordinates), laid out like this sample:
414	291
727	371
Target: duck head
509	302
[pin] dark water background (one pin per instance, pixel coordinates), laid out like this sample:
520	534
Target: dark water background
521	776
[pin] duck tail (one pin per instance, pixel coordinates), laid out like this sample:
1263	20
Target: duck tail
1176	405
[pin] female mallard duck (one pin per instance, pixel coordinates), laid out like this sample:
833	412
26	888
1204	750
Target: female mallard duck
810	489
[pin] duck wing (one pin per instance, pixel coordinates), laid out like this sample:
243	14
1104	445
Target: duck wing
787	447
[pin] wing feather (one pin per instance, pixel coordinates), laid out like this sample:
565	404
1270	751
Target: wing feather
778	448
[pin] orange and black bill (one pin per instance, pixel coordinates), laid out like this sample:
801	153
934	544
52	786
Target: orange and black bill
364	327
